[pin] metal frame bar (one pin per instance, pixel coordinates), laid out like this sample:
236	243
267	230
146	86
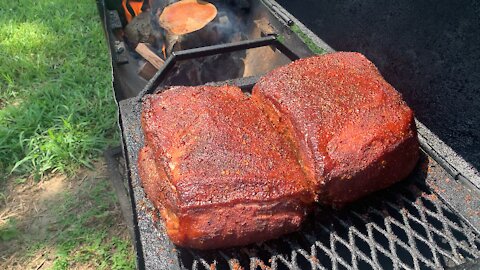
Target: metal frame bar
162	73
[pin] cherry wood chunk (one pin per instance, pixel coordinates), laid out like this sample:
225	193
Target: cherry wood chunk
149	55
187	16
147	70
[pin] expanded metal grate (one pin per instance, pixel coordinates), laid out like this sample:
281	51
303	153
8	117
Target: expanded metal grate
405	227
408	226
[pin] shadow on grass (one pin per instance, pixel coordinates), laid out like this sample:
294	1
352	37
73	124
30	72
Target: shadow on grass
69	223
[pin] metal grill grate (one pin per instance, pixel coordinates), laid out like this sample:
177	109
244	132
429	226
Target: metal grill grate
406	227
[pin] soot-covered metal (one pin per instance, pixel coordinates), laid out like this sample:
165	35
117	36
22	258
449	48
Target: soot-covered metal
428	221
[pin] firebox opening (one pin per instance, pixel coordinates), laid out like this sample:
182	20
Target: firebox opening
227	66
235	20
231	23
140	47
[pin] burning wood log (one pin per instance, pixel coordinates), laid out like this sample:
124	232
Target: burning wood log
147	70
149	55
184	17
187	16
140	30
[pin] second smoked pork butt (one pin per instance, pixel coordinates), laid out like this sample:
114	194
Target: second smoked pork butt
217	169
353	131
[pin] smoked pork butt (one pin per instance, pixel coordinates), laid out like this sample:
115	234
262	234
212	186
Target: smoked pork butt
353	132
218	170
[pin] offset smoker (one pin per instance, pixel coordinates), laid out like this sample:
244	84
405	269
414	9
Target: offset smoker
428	221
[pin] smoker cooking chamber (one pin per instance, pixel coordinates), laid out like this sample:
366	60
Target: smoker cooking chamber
430	220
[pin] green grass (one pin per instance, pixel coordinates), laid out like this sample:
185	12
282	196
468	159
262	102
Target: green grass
84	239
307	40
56	108
84	232
57	113
84	229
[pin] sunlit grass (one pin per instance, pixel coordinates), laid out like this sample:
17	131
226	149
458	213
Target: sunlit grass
56	108
57	113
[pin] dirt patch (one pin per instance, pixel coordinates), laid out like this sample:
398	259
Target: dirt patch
34	212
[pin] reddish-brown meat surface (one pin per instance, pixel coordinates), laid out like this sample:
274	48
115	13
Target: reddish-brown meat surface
353	131
227	170
217	169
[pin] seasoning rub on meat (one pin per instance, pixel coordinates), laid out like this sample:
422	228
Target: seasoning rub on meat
353	131
225	169
217	169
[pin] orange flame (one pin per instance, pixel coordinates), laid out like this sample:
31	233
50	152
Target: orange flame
164	51
136	7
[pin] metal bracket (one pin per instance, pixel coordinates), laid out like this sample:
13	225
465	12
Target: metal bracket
278	12
114	20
